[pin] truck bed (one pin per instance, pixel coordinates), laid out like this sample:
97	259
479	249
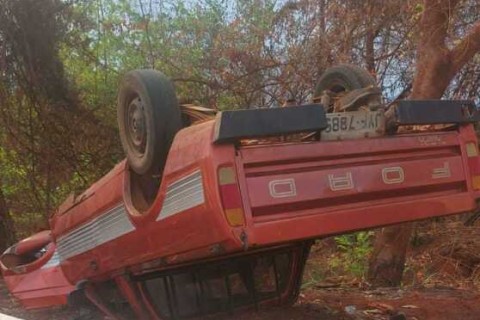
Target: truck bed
316	189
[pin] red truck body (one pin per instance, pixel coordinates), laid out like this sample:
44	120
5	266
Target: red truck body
38	283
222	201
284	192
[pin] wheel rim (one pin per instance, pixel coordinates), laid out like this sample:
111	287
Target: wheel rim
136	126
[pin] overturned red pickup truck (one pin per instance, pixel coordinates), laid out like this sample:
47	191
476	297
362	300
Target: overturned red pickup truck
217	215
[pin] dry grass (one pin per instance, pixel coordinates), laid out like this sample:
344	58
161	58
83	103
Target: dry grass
444	253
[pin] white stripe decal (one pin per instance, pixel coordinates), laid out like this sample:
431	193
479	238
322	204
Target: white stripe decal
183	194
53	262
110	225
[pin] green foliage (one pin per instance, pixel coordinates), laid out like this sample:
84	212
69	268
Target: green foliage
313	277
339	261
58	124
353	253
16	186
419	7
11	175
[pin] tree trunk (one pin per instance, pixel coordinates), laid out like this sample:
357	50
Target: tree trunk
371	34
436	66
7	234
389	252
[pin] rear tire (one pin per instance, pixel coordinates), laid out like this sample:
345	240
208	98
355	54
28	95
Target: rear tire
344	77
148	119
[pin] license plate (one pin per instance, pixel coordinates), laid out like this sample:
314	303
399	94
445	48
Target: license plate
354	125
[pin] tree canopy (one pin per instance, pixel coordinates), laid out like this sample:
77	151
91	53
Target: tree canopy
61	61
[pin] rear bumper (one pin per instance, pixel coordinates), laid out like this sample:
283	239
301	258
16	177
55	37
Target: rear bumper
317	225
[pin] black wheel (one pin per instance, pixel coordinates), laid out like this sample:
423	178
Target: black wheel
344	77
346	87
148	119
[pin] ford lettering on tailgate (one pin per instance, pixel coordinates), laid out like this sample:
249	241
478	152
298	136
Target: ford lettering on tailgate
363	179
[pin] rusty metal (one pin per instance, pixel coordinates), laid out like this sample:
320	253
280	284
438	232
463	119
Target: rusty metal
197	113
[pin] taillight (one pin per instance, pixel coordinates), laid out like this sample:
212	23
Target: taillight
473	164
230	194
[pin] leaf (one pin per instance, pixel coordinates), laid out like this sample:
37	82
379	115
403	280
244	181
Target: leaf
419	8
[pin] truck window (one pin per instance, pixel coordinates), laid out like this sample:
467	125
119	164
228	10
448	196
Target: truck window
221	287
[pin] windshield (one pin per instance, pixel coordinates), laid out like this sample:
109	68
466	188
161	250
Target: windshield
221	286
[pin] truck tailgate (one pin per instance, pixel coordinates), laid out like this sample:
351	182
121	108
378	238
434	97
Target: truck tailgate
321	178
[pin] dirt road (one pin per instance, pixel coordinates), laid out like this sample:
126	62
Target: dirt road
334	304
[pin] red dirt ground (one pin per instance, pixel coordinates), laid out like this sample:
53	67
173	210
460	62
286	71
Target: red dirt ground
334	304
